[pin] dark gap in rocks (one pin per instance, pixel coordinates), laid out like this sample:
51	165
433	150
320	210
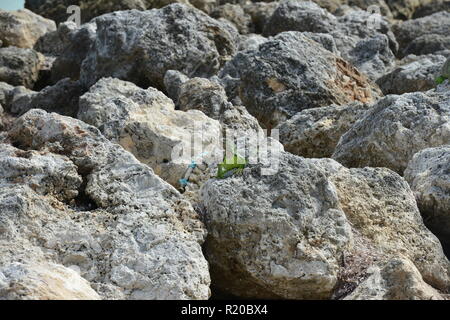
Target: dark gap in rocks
446	247
83	202
218	294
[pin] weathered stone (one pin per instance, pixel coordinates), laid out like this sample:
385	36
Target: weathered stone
369	196
414	73
326	40
250	41
289	73
142	46
303	16
260	12
395	128
404	9
235	14
57	9
20	67
367	41
314	133
172	83
76	43
362	38
284	235
23	28
140	239
50	44
263	230
50	281
428	174
432	7
5	90
445	71
61	98
398	279
146	123
423	35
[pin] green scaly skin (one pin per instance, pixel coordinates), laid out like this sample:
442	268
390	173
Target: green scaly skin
236	163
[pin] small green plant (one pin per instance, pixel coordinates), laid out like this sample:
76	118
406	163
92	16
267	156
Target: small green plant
230	166
440	80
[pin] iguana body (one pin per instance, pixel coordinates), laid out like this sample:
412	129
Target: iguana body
231	166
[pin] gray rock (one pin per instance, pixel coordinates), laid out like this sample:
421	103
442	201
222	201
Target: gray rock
262	230
290	73
23	28
142	46
423	35
250	41
414	73
398	279
370	5
20	67
61	98
146	123
76	43
445	71
284	235
428	174
172	82
431	7
303	16
235	14
395	128
326	40
140	239
404	9
19	96
260	13
314	133
210	98
50	44
5	90
46	281
370	47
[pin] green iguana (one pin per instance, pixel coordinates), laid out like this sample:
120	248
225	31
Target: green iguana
231	166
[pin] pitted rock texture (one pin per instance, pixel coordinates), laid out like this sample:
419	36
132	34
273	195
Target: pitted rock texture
143	45
23	28
428	174
146	123
131	235
289	73
395	128
283	236
415	73
398	279
424	35
20	67
314	133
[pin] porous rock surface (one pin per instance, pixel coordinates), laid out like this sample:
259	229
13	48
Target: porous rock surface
96	208
283	236
395	128
428	174
314	133
23	28
289	73
414	73
143	45
20	67
146	123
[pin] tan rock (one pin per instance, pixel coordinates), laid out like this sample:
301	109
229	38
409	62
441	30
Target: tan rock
23	28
